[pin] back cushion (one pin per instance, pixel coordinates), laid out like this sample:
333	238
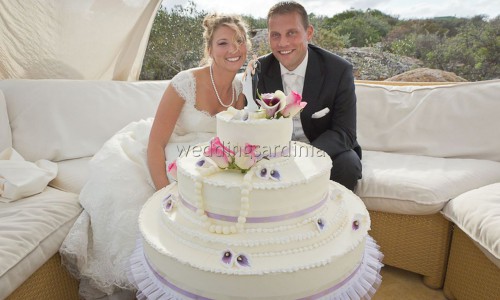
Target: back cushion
66	119
5	134
458	120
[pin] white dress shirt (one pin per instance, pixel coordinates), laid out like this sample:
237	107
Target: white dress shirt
293	80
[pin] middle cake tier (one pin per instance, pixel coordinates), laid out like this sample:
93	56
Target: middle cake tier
281	189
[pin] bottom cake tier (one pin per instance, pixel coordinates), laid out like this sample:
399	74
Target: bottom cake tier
292	262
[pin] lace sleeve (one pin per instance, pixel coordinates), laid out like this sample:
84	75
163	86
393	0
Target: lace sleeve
185	85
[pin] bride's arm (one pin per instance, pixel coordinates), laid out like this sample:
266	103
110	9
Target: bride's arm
167	114
240	103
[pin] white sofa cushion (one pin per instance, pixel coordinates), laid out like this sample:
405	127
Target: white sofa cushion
477	213
72	175
32	230
66	119
5	132
418	185
440	121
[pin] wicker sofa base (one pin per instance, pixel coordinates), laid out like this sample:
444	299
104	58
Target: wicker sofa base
418	244
51	281
470	274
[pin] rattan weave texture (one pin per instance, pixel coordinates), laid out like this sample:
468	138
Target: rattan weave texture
470	274
419	244
50	282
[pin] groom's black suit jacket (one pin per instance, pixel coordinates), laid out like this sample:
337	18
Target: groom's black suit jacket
328	83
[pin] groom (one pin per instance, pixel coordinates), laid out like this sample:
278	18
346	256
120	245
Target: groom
326	83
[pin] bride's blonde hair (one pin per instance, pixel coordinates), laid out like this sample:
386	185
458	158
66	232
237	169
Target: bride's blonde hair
215	20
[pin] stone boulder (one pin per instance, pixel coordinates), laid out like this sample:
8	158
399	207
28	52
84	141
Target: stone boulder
427	75
371	63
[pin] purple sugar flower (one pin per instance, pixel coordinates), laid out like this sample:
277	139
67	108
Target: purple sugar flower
320	224
242	260
262	173
168	203
355	224
275	175
227	258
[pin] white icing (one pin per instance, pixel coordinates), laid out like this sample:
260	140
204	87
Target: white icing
303	179
282	223
272	136
336	219
330	243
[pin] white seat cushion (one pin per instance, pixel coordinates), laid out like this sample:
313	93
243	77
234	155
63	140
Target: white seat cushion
419	185
477	213
31	231
72	175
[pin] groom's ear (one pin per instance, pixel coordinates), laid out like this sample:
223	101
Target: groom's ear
310	32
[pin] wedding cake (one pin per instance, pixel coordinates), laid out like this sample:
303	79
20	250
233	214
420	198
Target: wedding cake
254	216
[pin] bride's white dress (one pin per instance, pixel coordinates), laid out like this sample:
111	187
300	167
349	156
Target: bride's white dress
98	247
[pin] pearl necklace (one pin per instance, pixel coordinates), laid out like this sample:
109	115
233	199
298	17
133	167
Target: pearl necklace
233	92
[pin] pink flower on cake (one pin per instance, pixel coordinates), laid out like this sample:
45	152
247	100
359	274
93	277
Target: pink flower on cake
277	104
172	169
246	157
219	154
294	105
272	103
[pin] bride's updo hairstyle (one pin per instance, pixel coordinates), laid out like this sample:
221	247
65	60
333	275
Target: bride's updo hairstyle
215	20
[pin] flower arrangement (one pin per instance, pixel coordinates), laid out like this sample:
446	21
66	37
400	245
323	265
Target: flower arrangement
272	106
277	104
242	158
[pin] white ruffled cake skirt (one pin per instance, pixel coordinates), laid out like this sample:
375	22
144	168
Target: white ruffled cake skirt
361	283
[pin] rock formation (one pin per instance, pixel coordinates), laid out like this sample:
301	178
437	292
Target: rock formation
427	75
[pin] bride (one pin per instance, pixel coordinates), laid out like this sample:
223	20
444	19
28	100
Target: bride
130	166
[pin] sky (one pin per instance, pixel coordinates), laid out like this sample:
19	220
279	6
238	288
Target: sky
402	9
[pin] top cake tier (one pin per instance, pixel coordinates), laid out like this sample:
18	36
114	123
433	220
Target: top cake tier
271	136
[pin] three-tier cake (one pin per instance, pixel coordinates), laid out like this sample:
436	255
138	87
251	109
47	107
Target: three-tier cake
255	216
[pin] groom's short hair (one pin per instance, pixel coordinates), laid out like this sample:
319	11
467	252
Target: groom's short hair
287	7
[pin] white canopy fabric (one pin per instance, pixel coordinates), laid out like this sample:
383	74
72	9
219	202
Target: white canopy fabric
76	39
